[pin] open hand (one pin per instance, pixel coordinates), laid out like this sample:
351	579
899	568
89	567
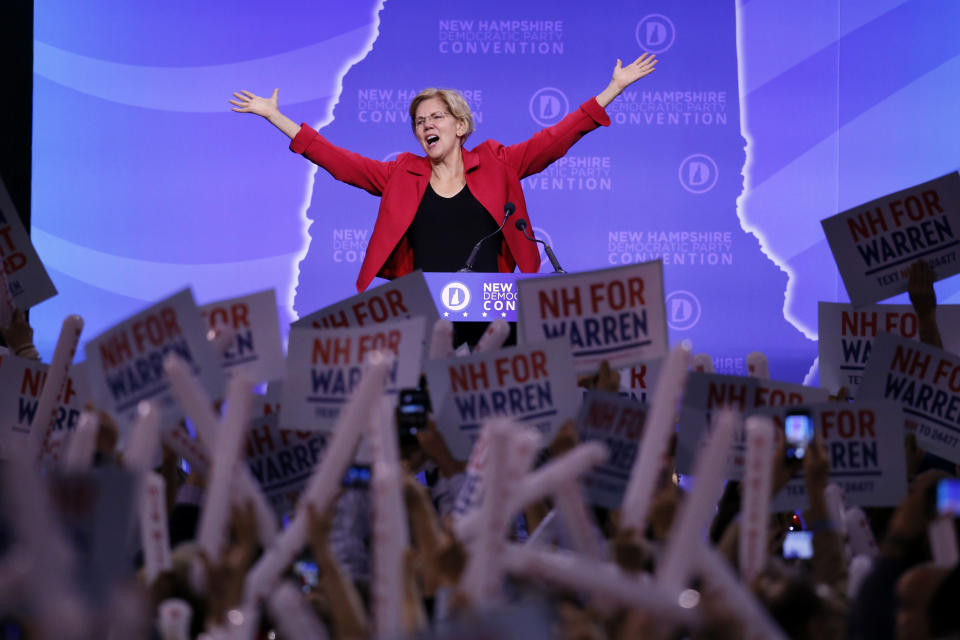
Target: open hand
247	102
624	76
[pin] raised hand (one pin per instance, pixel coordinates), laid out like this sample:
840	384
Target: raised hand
249	102
624	76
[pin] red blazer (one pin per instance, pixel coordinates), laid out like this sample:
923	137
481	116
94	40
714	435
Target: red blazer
493	174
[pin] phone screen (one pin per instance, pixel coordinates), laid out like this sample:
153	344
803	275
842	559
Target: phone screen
798	544
412	410
798	430
357	477
948	496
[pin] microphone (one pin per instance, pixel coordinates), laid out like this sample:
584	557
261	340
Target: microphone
522	227
508	210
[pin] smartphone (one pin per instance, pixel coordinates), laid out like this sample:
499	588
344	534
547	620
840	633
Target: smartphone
948	497
798	431
412	407
798	544
357	477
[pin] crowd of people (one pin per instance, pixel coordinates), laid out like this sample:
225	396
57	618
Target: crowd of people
353	563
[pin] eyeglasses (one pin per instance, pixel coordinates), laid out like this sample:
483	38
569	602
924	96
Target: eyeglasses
435	117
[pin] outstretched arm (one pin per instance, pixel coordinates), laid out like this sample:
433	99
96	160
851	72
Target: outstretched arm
624	76
247	102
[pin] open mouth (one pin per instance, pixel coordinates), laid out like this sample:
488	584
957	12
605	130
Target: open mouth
432	140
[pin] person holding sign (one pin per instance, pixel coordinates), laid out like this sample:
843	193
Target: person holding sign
436	207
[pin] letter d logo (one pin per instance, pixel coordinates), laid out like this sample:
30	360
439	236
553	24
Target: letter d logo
548	105
655	33
683	310
698	173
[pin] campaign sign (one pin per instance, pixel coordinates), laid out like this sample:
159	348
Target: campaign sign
708	391
125	363
618	423
22	380
617	315
256	348
639	381
925	381
864	446
874	243
325	365
531	383
846	335
406	297
28	279
282	460
270	401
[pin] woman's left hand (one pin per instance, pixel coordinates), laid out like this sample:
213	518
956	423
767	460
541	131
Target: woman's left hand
624	76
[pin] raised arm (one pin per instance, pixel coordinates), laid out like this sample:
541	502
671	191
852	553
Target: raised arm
550	144
624	76
247	102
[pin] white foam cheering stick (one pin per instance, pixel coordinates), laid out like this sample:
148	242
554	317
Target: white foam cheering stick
943	541
717	572
859	533
441	340
860	567
82	443
756	496
173	619
197	406
603	580
702	363
144	439
657	430
511	451
686	535
580	525
494	337
292	615
154	535
389	522
757	365
324	483
176	438
390	528
543	482
836	507
53	384
211	531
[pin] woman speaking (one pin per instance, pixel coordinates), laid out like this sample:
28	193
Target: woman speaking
434	208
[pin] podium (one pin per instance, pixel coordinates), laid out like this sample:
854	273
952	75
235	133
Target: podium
476	297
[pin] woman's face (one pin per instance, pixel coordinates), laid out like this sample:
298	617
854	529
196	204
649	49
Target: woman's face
438	131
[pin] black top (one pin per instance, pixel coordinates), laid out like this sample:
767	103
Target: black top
445	230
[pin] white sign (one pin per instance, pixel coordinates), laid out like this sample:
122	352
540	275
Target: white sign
406	297
282	460
864	447
925	382
126	361
28	279
324	366
22	379
639	381
617	315
875	243
846	337
708	391
618	423
531	383
256	348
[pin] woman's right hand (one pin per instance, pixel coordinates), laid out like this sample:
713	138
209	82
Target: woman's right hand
247	102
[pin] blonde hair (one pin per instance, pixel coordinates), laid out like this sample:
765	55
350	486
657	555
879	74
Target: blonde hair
456	106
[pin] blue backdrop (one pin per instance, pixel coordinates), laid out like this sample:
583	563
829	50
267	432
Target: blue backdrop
762	118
